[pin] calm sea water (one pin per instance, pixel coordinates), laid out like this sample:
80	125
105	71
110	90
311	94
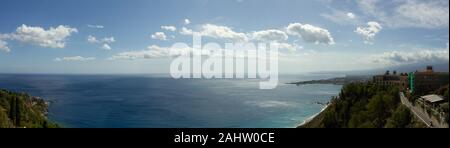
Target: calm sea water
157	101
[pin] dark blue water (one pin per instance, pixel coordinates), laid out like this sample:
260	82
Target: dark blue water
157	101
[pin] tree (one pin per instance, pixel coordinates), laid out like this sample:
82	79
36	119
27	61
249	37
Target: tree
445	109
4	120
377	110
446	94
366	105
401	118
12	109
329	120
359	120
18	103
22	110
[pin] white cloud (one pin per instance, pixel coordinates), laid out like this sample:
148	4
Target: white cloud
289	47
342	17
96	26
105	41
74	58
369	32
424	13
185	31
270	36
51	38
411	57
351	15
152	52
223	32
310	33
159	36
4	46
108	40
408	13
92	39
218	32
106	47
187	21
169	28
157	52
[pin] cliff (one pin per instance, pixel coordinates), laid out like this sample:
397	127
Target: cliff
19	110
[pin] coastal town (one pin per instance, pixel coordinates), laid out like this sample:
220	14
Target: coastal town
421	101
423	93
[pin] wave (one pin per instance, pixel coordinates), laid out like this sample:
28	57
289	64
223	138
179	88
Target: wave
315	115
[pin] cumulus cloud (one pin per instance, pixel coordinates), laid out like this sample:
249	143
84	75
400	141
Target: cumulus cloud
51	38
223	32
218	32
369	32
411	57
74	58
270	36
4	46
408	13
187	21
310	33
159	36
92	39
186	31
169	28
96	26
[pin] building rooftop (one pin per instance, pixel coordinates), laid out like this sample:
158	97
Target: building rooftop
433	98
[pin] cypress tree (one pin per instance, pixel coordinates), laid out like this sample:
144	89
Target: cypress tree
17	112
12	110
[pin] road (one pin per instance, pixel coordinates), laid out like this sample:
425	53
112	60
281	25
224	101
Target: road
419	113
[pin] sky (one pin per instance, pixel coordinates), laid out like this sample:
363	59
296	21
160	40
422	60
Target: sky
126	37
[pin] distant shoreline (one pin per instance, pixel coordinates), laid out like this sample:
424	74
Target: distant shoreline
335	81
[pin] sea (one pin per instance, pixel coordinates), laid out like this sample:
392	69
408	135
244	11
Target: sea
158	101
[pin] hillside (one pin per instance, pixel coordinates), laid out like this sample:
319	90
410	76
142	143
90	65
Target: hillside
18	110
361	105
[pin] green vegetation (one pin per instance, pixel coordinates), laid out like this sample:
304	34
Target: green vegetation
23	111
362	105
443	91
400	118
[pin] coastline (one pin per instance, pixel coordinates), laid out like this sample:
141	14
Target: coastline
311	118
21	110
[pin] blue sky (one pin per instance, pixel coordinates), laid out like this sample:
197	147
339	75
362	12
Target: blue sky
321	35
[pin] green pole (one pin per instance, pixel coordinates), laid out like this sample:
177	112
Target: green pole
411	78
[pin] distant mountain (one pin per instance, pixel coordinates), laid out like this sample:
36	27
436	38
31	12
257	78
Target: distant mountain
439	67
